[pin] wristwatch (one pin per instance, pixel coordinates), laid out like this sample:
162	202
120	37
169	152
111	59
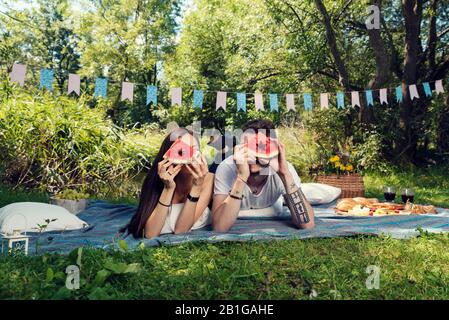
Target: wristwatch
192	199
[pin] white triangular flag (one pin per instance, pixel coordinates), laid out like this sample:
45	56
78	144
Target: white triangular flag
221	100
18	73
439	86
258	101
324	100
290	101
355	98
383	95
74	84
176	96
127	91
413	92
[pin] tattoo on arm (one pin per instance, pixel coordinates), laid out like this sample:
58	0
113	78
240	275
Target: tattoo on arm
296	203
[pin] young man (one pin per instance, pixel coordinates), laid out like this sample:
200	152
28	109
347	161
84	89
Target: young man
248	181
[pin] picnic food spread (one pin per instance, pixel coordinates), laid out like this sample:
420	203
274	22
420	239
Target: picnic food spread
372	207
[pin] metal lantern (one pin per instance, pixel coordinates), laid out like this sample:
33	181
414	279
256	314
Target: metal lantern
14	243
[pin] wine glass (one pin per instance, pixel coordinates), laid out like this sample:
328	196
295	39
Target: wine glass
389	193
408	195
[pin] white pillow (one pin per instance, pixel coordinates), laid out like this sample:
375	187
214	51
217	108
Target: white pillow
25	216
318	193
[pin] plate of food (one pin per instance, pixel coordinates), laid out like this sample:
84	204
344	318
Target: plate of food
366	207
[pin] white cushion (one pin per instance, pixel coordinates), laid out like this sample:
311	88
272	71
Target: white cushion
318	193
25	216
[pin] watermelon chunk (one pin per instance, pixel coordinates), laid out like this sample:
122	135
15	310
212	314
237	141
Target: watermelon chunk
263	146
180	152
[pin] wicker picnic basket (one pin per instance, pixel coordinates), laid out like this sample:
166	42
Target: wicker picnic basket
351	185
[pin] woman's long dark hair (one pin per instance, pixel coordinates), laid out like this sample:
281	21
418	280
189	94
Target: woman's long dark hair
152	188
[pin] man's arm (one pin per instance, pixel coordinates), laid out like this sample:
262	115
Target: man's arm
302	212
225	208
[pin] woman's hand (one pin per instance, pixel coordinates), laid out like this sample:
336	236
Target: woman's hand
241	161
167	172
199	170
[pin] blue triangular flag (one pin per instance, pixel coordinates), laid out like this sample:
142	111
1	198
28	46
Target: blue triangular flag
241	101
46	79
369	97
152	95
274	106
427	89
307	101
101	87
198	99
399	97
340	99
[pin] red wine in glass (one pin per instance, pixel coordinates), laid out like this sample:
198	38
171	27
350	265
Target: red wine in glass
389	194
408	195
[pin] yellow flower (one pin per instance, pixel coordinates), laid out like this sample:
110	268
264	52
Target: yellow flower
334	159
337	164
349	168
342	167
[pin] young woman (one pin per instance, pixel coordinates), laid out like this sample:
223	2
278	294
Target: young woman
174	197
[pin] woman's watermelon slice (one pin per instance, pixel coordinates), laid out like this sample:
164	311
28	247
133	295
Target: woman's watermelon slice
180	152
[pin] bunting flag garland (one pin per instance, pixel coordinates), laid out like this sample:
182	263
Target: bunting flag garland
18	73
355	99
221	100
307	101
258	101
176	96
383	96
427	89
198	96
290	101
413	92
399	96
101	87
369	98
274	105
152	95
127	91
46	79
241	101
74	84
340	99
324	100
439	86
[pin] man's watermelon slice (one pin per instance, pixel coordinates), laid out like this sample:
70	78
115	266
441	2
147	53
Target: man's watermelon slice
180	152
263	147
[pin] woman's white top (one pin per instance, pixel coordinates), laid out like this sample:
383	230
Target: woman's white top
173	213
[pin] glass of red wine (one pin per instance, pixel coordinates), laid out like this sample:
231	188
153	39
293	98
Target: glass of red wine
389	194
408	195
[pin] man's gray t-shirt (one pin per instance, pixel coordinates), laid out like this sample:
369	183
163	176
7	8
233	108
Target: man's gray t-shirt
273	189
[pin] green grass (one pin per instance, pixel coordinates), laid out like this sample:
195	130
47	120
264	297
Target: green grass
334	268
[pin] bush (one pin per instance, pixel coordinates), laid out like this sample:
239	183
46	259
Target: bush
56	142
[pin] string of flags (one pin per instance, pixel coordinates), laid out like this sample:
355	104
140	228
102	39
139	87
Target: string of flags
18	75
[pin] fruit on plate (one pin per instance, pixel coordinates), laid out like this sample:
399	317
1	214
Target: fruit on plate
181	152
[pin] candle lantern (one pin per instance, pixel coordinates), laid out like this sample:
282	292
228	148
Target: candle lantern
15	241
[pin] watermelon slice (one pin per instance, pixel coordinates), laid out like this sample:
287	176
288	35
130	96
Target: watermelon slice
180	152
263	147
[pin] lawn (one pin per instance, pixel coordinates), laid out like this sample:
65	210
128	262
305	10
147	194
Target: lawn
296	269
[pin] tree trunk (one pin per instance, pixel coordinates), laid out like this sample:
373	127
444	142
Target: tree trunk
407	142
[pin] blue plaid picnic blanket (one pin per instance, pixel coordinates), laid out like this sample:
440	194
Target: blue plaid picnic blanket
105	219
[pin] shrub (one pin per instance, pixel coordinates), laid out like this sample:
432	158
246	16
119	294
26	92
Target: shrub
56	142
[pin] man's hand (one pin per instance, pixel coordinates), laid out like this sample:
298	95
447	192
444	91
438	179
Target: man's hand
241	161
